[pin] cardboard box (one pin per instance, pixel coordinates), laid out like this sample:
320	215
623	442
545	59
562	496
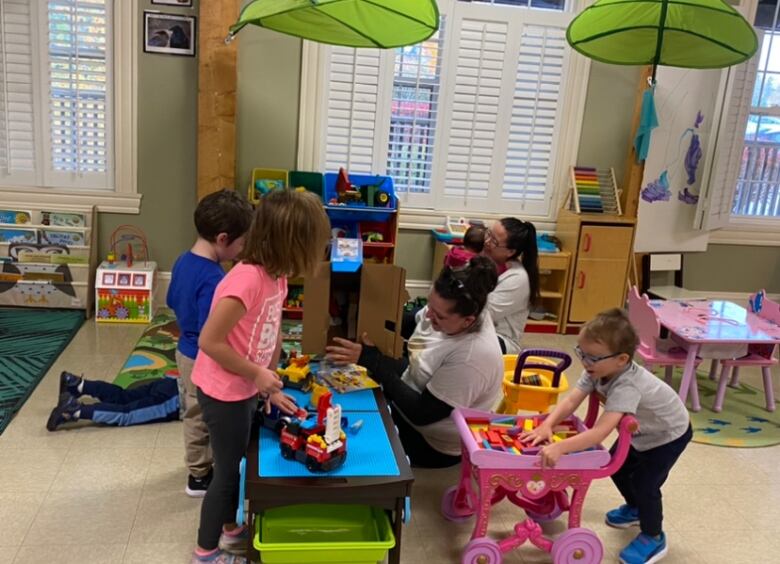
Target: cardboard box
381	294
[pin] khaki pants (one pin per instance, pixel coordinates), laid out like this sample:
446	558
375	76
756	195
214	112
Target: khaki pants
197	449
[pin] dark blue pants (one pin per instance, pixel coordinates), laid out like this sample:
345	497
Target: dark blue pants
641	477
150	403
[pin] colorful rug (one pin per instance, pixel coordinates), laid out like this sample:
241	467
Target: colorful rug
744	421
30	342
155	353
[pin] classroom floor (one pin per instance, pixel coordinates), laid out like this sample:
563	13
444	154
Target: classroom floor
108	495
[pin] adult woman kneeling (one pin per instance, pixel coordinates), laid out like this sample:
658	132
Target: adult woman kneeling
454	361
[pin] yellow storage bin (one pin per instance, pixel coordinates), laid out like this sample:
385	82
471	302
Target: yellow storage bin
533	381
263	176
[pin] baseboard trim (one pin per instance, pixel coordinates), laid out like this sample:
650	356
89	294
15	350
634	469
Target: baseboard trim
418	288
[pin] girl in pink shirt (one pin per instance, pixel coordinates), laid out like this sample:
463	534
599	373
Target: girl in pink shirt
239	348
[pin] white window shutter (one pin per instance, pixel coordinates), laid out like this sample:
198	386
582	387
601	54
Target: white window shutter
535	111
78	79
18	157
414	116
717	204
352	109
476	77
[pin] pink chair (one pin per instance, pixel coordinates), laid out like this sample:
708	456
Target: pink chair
648	328
759	355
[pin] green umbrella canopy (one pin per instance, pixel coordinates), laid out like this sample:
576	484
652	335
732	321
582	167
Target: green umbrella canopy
698	34
354	23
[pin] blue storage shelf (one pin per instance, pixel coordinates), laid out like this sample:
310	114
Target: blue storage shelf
355	212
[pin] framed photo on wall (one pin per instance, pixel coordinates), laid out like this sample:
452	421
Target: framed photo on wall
180	3
170	34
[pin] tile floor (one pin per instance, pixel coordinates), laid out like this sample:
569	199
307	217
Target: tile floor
94	495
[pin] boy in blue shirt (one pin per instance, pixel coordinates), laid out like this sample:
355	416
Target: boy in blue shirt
221	219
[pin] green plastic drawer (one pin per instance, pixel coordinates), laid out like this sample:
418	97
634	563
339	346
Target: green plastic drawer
303	534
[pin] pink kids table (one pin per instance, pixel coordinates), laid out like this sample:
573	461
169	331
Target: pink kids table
700	322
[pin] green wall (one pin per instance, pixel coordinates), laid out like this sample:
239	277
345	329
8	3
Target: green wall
733	268
269	70
167	152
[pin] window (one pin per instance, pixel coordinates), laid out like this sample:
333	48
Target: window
481	117
61	101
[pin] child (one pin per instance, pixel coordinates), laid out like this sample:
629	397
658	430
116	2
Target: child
155	402
239	349
221	219
473	242
606	347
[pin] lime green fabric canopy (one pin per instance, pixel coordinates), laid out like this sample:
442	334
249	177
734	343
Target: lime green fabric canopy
698	34
353	23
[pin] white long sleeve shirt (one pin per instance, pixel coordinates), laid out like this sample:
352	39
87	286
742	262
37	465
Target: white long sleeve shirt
508	305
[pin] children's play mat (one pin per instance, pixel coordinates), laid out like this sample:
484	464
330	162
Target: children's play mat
743	422
155	353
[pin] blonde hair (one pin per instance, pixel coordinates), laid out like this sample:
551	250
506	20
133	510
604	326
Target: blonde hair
613	329
289	234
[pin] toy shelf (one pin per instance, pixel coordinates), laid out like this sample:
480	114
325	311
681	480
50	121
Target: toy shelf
292	316
48	256
554	269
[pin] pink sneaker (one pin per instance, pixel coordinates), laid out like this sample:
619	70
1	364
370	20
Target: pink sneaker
218	557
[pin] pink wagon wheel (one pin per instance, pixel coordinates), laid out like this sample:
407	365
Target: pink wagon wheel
577	546
456	508
482	551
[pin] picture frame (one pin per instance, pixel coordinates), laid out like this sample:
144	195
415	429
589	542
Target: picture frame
139	280
179	3
109	278
170	34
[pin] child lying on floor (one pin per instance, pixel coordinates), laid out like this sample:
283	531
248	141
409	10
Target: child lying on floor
155	402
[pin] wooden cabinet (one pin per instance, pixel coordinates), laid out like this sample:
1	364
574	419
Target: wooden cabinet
602	245
553	281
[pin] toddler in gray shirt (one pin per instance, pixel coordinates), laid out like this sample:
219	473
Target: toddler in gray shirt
606	347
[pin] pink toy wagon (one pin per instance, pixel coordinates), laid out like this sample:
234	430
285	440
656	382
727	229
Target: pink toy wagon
502	467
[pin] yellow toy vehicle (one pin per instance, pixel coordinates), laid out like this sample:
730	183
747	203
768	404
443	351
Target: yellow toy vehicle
297	373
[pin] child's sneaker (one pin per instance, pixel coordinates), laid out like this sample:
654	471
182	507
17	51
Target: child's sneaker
644	549
234	541
66	411
623	517
69	383
218	557
197	487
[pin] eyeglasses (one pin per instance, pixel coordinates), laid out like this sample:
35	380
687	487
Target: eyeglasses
589	358
491	238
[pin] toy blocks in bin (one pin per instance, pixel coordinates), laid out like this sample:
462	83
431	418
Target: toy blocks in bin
359	197
265	180
125	294
354	534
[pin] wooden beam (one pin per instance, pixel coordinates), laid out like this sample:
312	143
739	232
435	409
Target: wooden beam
632	181
217	84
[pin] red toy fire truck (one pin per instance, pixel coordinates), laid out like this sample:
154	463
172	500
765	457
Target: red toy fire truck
318	443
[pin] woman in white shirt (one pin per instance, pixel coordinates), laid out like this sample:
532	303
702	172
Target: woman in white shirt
454	361
511	243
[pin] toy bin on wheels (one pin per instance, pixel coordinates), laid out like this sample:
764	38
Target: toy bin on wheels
498	466
533	381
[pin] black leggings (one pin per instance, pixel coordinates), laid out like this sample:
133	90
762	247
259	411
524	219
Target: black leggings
229	424
420	453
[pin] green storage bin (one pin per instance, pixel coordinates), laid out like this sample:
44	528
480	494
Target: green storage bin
312	181
307	534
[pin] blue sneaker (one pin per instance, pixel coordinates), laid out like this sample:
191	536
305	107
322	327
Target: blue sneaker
66	410
623	517
644	549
